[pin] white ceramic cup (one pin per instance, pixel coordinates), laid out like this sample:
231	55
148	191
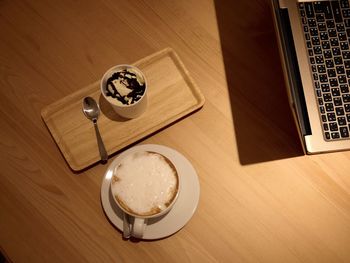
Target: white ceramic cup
134	224
128	111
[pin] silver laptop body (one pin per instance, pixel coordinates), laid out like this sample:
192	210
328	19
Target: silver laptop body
317	89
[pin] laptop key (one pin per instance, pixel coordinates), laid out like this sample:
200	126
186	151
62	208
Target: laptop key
324	36
327	54
331	73
318	7
330	24
332	32
329	63
346	98
320	18
313	31
335	92
308	44
346	54
335	135
347	64
318	93
340	69
329	107
317	50
324	118
331	116
340	27
342	36
334	42
312	22
336	51
310	51
323	78
321	69
327	135
344	45
309	10
347	107
342	79
315	40
346	13
336	11
327	97
339	111
337	101
344	4
333	126
347	22
317	85
322	27
325	87
344	132
323	111
341	121
344	88
327	10
338	60
326	44
333	82
319	59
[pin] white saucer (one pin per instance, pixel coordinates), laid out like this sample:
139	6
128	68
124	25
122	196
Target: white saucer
184	207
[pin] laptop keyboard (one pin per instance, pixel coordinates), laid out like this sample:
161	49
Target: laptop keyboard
326	28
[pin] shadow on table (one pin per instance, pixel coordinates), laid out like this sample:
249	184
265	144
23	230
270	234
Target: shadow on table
264	125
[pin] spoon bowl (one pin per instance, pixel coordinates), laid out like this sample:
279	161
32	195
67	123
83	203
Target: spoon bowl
91	109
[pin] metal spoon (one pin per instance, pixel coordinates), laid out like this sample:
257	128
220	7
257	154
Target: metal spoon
92	111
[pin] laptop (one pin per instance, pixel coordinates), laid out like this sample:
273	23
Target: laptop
314	43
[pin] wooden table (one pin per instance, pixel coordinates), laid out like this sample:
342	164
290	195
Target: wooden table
261	199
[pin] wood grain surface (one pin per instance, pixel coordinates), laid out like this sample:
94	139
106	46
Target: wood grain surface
261	199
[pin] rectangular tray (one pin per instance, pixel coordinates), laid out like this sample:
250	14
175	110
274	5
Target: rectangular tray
172	94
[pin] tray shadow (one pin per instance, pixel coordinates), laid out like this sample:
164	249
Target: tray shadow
264	126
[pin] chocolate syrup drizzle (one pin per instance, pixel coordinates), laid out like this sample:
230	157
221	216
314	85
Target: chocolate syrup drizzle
129	79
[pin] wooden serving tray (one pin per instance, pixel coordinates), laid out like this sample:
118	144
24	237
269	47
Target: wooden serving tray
172	94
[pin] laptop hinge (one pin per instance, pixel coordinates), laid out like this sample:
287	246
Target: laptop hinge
292	69
282	4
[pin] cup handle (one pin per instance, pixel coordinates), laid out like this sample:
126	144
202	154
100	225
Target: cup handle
138	227
126	226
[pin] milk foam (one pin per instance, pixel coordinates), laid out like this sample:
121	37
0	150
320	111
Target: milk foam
145	183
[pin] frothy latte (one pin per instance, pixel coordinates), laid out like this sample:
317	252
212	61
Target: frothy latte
145	183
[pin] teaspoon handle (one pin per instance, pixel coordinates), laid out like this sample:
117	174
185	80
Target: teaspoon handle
101	146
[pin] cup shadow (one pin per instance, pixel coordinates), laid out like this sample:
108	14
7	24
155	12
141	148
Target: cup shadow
264	126
108	111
